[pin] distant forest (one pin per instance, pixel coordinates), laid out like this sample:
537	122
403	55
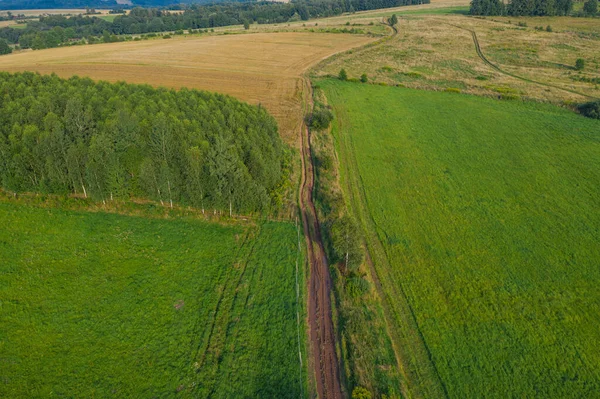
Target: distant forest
118	141
50	4
53	31
530	7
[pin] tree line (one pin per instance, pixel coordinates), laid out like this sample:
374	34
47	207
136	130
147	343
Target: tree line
118	141
530	7
56	30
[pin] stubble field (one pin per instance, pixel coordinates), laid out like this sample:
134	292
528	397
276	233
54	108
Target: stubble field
263	68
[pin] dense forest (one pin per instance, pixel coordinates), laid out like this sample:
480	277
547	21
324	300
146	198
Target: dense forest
530	7
53	31
48	4
110	141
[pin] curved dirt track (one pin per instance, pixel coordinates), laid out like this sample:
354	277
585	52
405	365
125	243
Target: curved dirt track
512	75
322	337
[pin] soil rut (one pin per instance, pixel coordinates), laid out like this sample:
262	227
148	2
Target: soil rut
322	336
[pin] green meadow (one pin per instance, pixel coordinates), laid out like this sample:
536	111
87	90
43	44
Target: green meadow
106	305
483	220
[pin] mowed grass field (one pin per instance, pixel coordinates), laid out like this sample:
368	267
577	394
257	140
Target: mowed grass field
106	305
263	68
485	216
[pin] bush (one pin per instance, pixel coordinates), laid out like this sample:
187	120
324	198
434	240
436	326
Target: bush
356	286
548	28
320	118
363	78
591	109
166	37
343	75
580	64
361	393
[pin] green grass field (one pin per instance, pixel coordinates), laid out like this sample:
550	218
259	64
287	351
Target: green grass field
485	216
464	10
105	305
109	18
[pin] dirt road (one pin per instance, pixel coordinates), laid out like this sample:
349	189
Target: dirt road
322	338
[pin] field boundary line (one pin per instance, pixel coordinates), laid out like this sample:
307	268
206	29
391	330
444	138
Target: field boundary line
512	75
298	256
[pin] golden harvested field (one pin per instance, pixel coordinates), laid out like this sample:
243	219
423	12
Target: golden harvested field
4	24
437	52
261	68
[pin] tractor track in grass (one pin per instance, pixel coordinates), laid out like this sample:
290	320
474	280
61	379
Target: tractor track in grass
216	313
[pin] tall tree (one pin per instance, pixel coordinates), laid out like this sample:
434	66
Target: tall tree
162	143
346	242
590	7
195	168
223	166
4	47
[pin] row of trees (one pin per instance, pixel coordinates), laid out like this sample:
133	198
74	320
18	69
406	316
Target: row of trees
54	30
341	232
530	7
109	141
